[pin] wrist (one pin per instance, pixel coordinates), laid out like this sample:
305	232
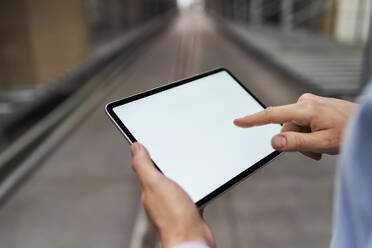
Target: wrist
172	239
191	244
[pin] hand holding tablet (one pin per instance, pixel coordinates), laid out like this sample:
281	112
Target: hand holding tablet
168	206
187	126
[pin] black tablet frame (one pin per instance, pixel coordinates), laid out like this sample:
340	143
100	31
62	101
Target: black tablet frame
131	139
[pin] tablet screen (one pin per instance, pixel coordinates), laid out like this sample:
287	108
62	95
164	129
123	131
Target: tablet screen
189	132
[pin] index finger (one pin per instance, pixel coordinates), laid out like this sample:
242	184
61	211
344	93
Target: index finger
280	114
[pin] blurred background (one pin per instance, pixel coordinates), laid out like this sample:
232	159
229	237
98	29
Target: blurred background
65	176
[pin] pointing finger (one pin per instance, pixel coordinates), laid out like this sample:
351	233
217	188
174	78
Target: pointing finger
280	114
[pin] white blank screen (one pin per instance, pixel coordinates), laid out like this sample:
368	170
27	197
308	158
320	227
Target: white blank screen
190	134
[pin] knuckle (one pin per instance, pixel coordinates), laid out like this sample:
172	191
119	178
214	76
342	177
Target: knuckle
309	106
309	100
297	142
305	97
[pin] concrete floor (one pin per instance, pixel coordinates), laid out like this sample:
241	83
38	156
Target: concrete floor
85	194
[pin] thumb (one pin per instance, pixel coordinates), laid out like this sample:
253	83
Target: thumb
143	165
298	141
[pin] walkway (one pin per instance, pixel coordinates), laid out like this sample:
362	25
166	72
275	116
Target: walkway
85	194
323	65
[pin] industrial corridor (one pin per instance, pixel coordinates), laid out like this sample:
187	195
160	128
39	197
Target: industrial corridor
84	193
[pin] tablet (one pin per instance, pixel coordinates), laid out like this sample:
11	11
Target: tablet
187	127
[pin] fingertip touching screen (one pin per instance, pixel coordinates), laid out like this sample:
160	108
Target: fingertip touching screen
189	132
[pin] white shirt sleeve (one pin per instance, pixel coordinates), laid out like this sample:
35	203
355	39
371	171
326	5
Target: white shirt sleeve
191	245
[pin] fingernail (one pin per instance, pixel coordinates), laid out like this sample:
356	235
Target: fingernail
135	148
279	142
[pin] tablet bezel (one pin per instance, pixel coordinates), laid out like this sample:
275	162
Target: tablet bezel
131	139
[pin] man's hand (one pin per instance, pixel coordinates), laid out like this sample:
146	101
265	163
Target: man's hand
314	125
168	206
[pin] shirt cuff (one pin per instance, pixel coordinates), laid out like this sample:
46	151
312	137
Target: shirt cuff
191	245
